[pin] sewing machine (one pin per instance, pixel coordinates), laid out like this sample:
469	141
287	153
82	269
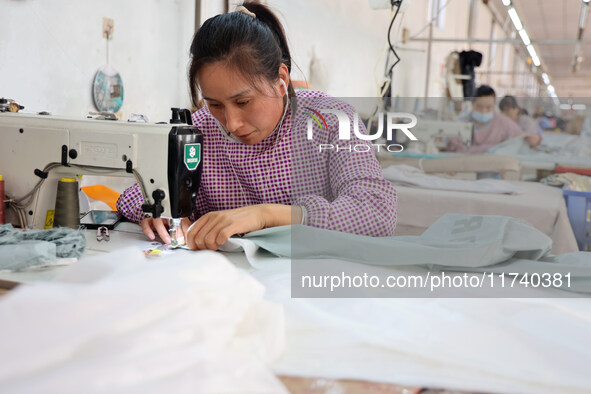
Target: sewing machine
166	159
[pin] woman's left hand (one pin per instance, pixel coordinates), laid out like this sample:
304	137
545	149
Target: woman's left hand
213	229
533	139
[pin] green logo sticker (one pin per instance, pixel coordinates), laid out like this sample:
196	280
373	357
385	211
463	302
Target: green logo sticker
192	156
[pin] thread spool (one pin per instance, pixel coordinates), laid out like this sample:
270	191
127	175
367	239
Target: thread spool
2	206
67	206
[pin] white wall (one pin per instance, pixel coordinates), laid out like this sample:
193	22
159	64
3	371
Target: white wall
335	43
50	51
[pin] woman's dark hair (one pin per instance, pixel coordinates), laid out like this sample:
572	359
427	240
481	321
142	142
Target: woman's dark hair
484	91
508	102
254	46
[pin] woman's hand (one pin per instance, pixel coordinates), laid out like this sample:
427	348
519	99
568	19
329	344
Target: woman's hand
533	139
213	229
455	144
161	226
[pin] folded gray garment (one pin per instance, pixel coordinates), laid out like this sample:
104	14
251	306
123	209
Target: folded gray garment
24	249
453	240
26	254
469	243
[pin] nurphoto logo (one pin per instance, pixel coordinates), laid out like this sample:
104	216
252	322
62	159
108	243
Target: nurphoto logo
393	122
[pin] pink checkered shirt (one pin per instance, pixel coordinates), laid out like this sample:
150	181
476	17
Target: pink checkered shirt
338	190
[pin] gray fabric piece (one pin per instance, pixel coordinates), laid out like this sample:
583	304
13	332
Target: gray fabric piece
26	254
37	247
453	240
468	243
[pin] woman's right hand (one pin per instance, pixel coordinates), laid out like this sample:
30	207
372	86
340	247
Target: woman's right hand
159	225
455	144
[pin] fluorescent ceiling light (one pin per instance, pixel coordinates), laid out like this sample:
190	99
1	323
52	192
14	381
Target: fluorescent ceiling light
515	19
546	79
532	51
508	2
579	107
551	89
524	37
534	55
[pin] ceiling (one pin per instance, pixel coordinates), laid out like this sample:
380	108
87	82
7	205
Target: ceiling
557	20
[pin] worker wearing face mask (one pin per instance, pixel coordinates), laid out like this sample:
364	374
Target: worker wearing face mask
490	127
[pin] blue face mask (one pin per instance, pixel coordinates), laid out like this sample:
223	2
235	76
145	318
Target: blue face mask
482	118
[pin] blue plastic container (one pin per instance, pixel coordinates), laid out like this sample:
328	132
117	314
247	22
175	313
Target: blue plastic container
578	205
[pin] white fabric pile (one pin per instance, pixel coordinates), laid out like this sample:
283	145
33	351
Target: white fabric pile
536	345
124	323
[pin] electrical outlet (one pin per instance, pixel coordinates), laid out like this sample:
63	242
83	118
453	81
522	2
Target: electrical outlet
108	27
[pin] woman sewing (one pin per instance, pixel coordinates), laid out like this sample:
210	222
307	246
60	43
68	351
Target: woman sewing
259	168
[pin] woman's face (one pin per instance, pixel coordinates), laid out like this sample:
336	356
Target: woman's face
513	113
249	114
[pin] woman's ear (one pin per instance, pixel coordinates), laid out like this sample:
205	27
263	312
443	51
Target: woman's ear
284	76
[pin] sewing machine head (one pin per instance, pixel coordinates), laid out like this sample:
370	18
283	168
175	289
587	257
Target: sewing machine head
166	159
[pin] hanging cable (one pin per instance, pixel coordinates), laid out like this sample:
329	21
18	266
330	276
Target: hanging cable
385	89
397	5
